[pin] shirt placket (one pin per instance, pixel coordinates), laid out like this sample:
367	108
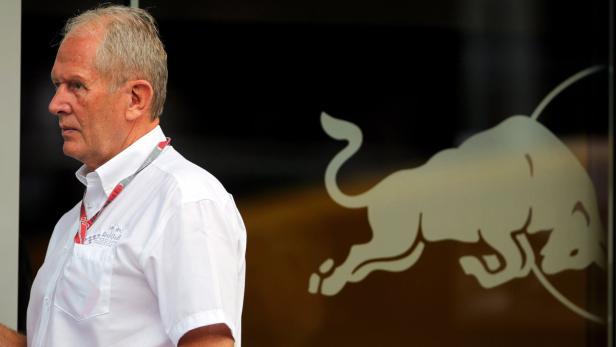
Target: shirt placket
50	289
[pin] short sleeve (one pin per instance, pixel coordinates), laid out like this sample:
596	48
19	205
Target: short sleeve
196	268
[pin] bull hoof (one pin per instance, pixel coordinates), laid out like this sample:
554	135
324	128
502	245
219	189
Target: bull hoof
470	265
314	284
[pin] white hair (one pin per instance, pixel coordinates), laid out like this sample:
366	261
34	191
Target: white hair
130	48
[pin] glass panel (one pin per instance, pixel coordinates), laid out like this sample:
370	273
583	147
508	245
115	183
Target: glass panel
410	173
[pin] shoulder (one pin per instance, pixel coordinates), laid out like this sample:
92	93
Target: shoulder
189	181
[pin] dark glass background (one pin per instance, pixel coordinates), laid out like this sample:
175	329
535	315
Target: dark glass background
247	83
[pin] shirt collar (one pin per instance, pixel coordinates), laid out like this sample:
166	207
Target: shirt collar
124	163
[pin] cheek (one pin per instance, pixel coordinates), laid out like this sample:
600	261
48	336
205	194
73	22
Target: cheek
99	118
92	114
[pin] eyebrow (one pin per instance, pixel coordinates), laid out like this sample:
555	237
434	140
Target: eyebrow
69	78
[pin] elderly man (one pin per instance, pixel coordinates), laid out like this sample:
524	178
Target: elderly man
154	253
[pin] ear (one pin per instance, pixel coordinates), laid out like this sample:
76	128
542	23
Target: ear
140	99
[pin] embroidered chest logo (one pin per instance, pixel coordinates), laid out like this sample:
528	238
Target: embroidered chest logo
108	237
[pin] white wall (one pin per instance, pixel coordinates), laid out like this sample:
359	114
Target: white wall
10	38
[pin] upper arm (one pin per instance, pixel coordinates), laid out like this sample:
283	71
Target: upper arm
196	271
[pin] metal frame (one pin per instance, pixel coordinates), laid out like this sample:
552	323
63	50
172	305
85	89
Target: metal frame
10	60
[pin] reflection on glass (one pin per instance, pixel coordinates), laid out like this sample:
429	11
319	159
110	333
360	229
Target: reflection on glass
515	179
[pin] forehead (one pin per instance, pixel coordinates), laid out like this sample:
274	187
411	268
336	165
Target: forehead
76	54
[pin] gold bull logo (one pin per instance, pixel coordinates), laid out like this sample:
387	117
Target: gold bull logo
500	185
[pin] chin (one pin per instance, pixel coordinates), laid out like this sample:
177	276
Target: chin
72	150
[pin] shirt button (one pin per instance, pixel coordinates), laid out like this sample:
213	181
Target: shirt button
46	300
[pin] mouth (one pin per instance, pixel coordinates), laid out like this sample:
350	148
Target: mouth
67	130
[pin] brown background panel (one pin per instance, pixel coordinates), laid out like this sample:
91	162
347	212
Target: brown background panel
433	303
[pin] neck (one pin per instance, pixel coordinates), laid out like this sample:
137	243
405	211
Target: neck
136	132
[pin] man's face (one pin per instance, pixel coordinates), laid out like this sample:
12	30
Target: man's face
90	114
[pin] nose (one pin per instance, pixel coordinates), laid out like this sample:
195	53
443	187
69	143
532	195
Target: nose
59	104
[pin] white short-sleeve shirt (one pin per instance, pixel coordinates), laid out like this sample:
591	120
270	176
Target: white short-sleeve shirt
165	257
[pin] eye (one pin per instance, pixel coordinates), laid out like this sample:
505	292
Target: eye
76	85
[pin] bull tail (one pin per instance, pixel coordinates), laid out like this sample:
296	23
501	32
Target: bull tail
341	130
562	86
